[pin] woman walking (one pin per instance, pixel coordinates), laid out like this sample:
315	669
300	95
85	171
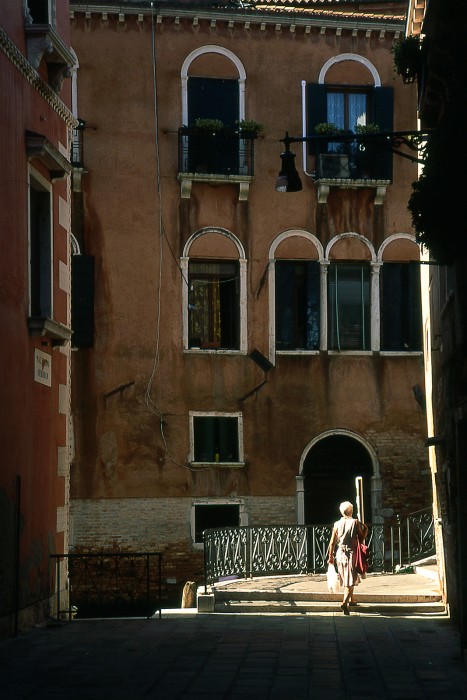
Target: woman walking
346	534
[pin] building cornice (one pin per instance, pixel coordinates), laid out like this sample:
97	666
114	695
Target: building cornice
274	17
31	75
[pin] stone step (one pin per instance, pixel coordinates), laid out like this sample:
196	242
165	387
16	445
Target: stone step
293	607
250	596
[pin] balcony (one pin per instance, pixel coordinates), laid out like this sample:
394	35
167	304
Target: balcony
225	156
351	163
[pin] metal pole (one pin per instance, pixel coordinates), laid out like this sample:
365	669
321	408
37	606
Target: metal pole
160	585
57	576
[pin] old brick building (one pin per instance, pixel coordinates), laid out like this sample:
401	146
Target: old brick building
35	65
253	351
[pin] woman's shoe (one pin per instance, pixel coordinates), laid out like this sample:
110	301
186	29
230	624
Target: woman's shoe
345	609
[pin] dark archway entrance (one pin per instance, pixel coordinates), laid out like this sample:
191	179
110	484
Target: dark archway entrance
329	471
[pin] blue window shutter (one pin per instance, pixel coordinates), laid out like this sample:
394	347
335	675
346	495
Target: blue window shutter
383	115
317	109
82	300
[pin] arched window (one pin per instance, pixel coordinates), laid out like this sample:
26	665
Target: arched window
295	284
214	273
349	96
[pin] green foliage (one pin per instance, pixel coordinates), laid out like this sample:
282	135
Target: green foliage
250	125
367	129
407	55
437	203
211	125
325	128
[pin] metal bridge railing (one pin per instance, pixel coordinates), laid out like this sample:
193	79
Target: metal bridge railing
274	550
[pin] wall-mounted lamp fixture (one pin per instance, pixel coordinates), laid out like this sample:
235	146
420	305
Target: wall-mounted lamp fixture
288	179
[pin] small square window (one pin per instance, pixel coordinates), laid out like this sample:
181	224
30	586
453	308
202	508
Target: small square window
214	515
216	439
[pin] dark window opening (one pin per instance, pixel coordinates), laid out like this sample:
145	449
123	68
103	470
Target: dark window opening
215	516
297	305
39	11
82	300
214	305
349	324
40	250
400	297
215	439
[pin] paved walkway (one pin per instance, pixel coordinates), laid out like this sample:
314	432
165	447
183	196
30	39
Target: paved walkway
190	656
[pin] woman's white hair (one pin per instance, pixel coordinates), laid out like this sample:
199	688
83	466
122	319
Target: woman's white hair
346	508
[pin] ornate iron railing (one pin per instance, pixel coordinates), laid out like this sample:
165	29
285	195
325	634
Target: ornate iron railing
273	550
351	159
224	153
117	584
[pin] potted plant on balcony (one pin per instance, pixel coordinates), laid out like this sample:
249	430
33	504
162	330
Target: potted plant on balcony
208	126
407	56
249	128
332	145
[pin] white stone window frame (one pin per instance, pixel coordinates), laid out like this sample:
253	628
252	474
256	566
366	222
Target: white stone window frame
375	266
184	264
216	414
301	233
243	514
384	244
33	174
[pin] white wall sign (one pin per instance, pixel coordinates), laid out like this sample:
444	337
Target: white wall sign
42	367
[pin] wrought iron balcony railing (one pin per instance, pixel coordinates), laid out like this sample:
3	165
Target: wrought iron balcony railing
351	159
227	152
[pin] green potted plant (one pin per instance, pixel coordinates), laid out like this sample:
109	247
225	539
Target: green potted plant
208	126
249	128
407	56
367	129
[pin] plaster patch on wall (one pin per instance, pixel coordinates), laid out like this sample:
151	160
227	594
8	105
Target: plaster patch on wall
108	451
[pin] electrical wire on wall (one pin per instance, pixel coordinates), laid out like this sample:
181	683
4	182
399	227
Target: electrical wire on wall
150	403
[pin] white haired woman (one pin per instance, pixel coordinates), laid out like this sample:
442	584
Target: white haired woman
346	533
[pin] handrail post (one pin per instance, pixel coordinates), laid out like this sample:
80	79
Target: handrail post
160	584
57	577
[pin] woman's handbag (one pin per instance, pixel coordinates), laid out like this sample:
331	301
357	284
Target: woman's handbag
360	560
333	579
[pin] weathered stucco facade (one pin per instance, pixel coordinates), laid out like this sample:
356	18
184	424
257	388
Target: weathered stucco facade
35	61
154	393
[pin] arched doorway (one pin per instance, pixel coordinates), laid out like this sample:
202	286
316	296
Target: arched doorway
329	470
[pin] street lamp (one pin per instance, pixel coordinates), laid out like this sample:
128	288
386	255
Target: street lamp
288	179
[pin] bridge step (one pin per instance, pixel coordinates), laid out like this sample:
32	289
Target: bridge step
250	596
315	606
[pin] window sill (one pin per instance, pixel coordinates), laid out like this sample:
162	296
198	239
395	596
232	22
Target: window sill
187	179
40	326
297	352
401	353
222	465
212	351
43	42
365	353
323	185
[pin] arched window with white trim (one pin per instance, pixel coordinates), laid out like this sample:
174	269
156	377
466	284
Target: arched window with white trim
214	299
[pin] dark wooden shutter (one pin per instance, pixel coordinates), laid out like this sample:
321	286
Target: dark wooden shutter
82	300
317	109
213	98
383	115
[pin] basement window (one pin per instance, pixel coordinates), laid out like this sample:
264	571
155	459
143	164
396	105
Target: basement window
214	516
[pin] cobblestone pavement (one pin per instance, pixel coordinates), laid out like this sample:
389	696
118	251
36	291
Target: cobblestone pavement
190	656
